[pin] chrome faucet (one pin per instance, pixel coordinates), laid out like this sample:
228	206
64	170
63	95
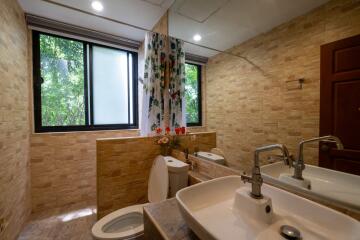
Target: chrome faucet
256	179
299	165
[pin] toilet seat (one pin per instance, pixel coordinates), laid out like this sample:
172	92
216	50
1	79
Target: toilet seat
128	222
130	227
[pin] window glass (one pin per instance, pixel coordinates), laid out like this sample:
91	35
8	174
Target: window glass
131	97
80	85
62	87
110	86
192	94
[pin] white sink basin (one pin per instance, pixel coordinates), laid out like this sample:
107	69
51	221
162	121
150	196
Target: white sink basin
210	210
332	186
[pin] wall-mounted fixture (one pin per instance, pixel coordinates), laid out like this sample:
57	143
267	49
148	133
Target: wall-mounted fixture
299	81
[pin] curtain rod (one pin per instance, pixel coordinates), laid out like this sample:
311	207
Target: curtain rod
148	30
57	26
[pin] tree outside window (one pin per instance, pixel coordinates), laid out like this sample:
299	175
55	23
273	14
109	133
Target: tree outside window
193	94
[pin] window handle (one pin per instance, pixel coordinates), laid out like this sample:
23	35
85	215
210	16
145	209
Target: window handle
39	82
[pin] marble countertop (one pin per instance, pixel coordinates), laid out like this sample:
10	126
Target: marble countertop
166	219
198	177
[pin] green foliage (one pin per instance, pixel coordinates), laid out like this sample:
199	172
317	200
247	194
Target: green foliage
62	90
192	93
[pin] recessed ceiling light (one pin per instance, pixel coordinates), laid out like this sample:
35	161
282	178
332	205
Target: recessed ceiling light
197	37
97	6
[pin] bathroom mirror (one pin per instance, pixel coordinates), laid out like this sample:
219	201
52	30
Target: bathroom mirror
260	80
262	87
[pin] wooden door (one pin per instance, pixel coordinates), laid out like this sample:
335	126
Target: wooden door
340	104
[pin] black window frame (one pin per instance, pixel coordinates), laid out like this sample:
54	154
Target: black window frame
88	88
199	77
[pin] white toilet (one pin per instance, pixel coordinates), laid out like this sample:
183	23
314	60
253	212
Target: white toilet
167	175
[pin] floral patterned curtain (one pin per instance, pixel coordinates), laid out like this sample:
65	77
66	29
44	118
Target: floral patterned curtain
177	83
155	91
154	83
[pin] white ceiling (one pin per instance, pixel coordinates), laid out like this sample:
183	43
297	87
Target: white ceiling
221	23
226	23
142	13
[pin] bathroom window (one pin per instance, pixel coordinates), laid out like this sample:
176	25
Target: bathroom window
193	94
80	85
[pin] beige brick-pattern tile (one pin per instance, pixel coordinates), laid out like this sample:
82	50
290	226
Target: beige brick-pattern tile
123	168
249	108
14	121
63	167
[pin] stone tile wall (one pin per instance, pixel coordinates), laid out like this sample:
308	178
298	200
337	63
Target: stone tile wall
196	141
63	167
250	106
14	121
162	26
123	168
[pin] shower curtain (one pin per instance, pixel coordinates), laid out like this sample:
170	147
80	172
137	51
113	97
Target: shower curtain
176	84
155	90
154	83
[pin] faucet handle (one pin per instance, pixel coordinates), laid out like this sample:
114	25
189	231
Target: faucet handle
326	144
245	178
288	160
275	157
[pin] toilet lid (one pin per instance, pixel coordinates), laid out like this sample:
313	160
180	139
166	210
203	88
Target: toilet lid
158	180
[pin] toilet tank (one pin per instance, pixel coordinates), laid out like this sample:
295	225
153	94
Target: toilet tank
178	175
212	157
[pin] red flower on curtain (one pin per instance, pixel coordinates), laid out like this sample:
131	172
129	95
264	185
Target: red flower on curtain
177	131
175	94
183	130
158	130
167	130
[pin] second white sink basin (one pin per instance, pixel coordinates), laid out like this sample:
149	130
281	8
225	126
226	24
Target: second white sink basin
332	186
209	210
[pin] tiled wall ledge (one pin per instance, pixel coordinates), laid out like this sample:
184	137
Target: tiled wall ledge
123	167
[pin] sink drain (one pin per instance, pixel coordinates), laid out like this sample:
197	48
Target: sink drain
289	232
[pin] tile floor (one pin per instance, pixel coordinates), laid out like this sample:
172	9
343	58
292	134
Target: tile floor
60	224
